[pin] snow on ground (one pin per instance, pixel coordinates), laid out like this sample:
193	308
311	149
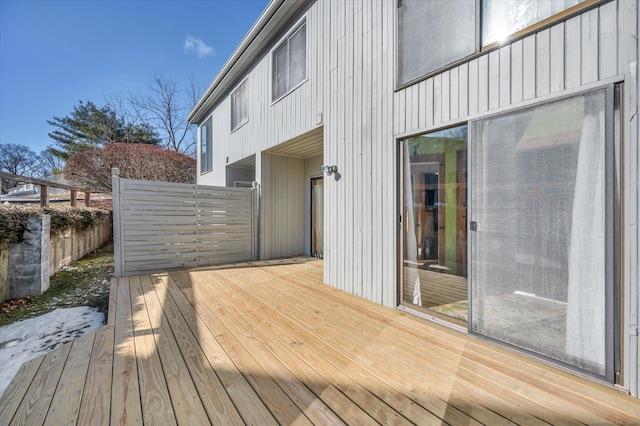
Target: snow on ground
25	340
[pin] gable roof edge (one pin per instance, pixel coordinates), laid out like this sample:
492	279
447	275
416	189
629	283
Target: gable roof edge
273	19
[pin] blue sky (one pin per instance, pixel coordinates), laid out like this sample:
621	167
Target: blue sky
54	53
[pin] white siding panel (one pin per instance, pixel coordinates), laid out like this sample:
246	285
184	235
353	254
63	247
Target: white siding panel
282	206
516	72
556	58
422	104
542	63
437	99
429	102
483	83
473	87
386	293
494	79
572	53
608	48
589	46
529	68
445	96
454	97
414	107
505	76
463	90
367	149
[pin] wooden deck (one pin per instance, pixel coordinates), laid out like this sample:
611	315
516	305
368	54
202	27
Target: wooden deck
272	345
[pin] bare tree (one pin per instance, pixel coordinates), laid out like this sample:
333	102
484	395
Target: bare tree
165	108
17	160
50	164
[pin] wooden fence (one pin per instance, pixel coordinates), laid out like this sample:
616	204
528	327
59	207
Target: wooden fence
160	226
44	188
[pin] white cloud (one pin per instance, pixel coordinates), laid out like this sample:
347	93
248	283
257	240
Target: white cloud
193	44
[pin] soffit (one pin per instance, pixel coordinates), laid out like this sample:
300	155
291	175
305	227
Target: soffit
246	163
307	145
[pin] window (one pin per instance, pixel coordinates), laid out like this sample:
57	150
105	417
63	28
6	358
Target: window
206	157
502	18
289	62
239	107
433	34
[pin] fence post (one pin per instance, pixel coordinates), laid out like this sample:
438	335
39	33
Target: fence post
118	247
72	197
255	222
44	196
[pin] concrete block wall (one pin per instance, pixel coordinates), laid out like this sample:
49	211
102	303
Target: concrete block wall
25	267
28	269
4	269
73	244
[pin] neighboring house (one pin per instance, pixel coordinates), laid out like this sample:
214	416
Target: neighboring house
33	189
486	167
24	189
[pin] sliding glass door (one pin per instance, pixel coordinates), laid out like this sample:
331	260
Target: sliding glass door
542	215
434	215
542	229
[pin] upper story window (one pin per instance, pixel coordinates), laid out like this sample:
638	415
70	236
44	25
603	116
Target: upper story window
436	33
289	62
502	18
206	147
239	106
432	34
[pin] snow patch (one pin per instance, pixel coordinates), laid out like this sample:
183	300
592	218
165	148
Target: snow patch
25	340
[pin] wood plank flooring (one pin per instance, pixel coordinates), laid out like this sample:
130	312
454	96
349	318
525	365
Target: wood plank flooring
269	344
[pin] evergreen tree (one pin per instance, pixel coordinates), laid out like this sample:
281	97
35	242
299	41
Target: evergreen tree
89	126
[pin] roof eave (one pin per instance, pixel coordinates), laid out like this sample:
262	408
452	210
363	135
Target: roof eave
272	20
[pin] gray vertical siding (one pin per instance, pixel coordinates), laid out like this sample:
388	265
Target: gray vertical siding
360	222
281	206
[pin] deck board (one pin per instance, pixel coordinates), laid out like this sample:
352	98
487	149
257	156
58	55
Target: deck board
95	407
272	345
17	389
177	377
154	395
65	405
36	402
125	394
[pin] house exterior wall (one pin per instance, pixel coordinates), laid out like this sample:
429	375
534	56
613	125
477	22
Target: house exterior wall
350	91
591	50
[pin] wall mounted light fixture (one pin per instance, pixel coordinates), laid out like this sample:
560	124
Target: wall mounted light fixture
329	170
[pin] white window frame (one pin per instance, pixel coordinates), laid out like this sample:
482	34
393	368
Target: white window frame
301	24
239	110
206	160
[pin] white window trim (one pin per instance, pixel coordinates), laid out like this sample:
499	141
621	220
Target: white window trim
301	22
209	154
246	120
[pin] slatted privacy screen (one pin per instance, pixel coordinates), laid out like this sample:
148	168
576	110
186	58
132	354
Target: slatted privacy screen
160	226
